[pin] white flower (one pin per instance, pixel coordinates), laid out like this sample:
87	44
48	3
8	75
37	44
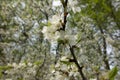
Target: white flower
14	65
76	9
14	5
76	74
44	30
47	32
64	58
73	5
71	73
50	32
57	65
72	2
59	77
8	79
22	64
57	35
23	5
71	39
55	19
64	67
74	68
29	64
93	79
53	71
56	3
9	64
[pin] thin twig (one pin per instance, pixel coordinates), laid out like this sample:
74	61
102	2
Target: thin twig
104	50
77	64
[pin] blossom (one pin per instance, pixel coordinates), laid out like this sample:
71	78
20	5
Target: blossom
76	9
71	39
64	58
50	32
56	3
22	64
57	65
93	79
73	5
71	73
30	64
56	21
14	65
8	79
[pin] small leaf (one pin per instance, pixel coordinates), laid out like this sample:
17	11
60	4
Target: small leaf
65	62
1	74
113	73
95	1
38	62
5	67
49	24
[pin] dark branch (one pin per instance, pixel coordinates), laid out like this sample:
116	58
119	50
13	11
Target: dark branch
65	15
77	64
104	50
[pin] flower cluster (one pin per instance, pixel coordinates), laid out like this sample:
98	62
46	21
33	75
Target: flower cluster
65	71
21	70
50	32
73	5
53	33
